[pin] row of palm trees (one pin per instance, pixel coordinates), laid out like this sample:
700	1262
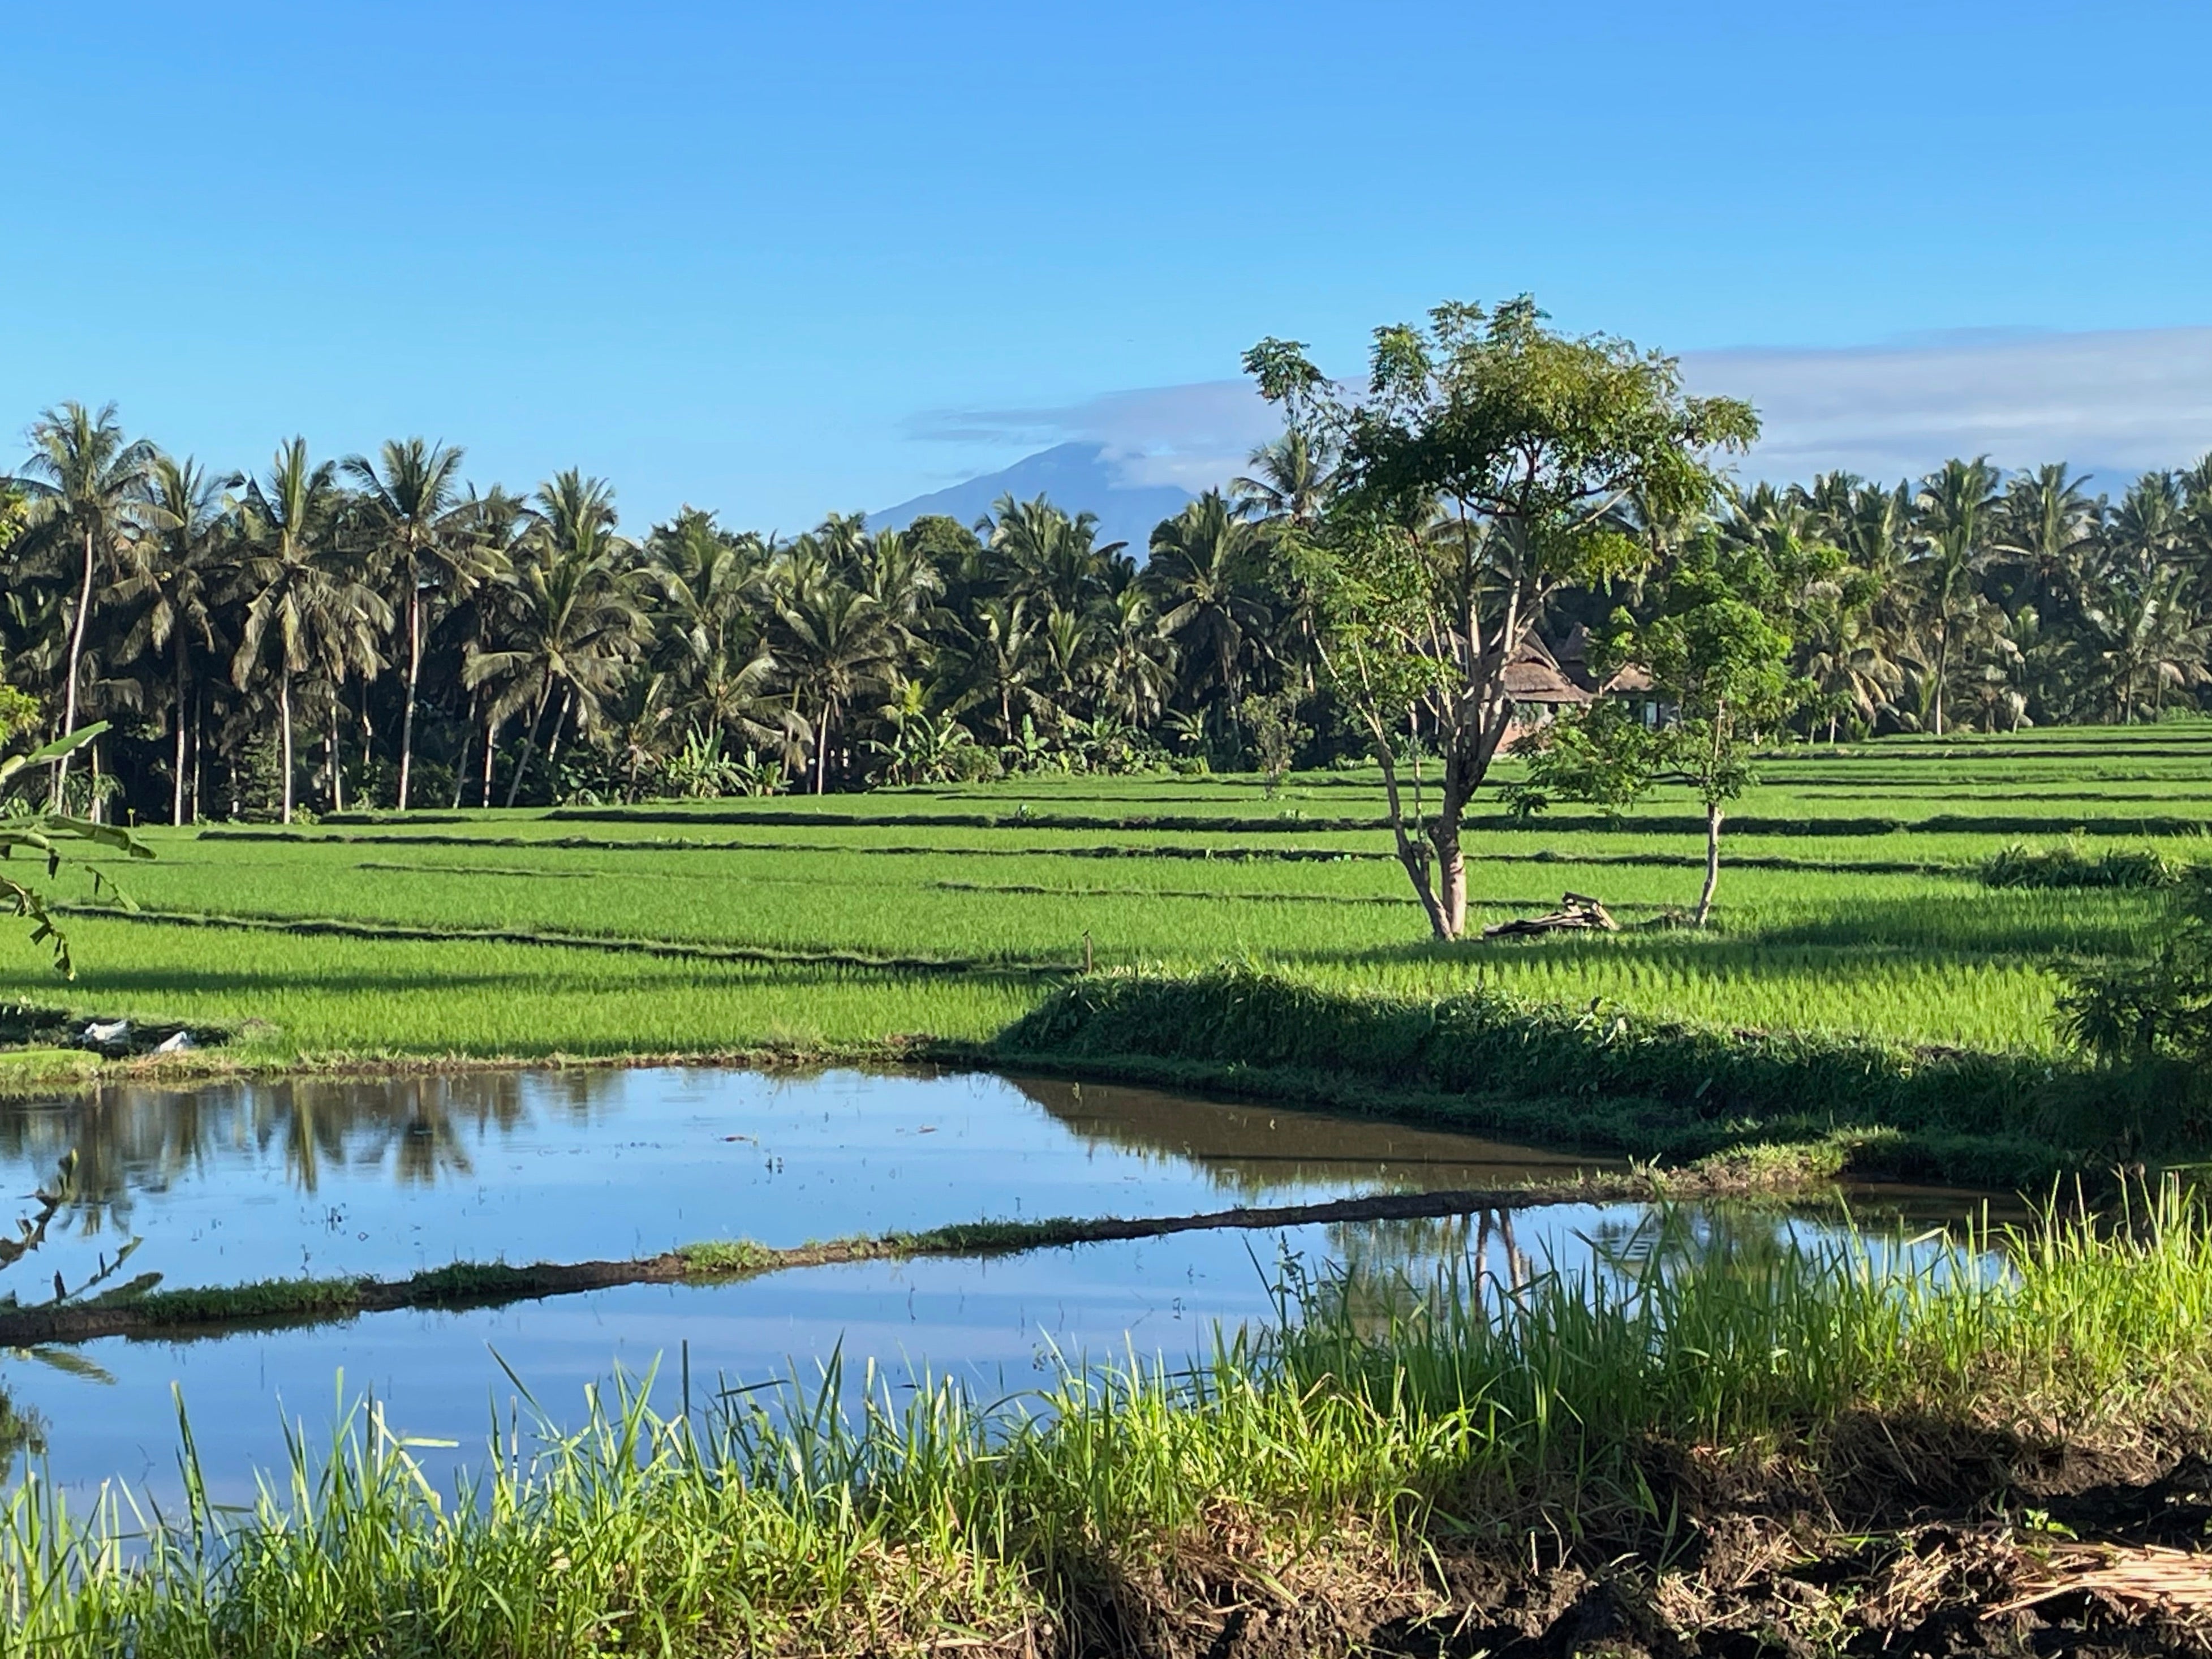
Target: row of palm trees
439	642
429	642
1977	599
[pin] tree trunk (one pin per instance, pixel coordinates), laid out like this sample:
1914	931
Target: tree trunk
200	748
177	790
822	749
553	749
529	744
461	760
76	656
1451	922
1942	673
414	675
491	749
1712	862
284	707
337	772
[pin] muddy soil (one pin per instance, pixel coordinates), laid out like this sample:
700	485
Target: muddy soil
1977	1553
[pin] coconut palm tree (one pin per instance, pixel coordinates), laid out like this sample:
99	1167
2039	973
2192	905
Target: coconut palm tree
572	624
837	644
1205	561
2050	526
712	596
1050	559
999	658
85	485
1136	661
172	573
2151	527
1956	509
1289	483
302	595
2149	638
411	502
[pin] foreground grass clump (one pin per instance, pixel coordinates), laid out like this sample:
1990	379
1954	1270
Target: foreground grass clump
1331	1471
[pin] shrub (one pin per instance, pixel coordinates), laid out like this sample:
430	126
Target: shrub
2025	865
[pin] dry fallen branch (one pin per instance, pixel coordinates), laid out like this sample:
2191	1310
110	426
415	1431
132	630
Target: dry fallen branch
2169	1580
1575	911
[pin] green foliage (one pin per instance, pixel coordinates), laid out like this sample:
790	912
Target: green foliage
1272	725
2159	1007
1483	470
50	837
1720	666
2022	864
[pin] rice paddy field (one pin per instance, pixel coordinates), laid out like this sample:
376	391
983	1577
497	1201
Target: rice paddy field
1850	901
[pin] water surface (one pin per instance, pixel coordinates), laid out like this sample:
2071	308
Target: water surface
383	1176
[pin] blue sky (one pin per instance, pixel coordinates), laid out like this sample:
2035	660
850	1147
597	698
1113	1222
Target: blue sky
781	258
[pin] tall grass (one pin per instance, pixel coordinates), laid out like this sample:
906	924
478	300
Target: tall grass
1370	1427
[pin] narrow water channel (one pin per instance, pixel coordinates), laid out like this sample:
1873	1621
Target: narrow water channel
240	1181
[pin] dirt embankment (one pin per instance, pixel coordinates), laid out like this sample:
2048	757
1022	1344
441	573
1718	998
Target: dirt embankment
1905	1539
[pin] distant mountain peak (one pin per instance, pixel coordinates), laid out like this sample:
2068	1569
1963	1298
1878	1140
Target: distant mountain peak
1078	477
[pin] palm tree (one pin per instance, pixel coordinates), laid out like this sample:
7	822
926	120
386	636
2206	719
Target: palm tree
1956	506
414	509
1051	559
2050	526
1289	483
301	592
574	625
172	571
1000	657
2150	637
2151	527
837	644
1136	666
1204	561
496	525
87	486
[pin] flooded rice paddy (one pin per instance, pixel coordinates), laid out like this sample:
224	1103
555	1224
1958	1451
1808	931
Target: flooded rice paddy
324	1177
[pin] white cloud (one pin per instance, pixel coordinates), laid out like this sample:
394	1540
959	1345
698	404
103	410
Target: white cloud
2119	402
1197	436
2116	402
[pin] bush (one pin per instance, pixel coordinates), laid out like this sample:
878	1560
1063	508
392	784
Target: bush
2158	1008
2024	865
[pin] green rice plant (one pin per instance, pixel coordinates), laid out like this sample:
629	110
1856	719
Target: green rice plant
1375	1424
1600	1076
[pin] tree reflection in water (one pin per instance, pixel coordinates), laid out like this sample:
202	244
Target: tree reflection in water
131	1139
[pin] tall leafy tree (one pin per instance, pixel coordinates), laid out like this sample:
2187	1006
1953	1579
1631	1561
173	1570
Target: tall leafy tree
306	609
172	581
1205	575
837	646
1957	509
87	487
1525	444
411	502
1715	653
573	625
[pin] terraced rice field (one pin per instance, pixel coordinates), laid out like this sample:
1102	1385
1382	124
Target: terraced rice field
1849	903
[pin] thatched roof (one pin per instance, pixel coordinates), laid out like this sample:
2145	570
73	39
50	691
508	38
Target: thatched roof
1573	658
1533	675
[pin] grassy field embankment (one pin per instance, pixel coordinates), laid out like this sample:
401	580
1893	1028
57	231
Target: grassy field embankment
1854	925
1693	1450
